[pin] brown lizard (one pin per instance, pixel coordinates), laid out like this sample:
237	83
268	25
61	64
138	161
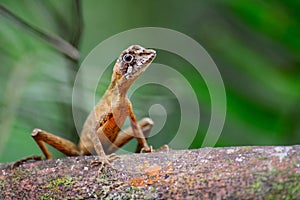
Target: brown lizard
101	133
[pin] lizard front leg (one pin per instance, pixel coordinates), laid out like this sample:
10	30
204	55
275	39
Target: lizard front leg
97	144
137	131
102	157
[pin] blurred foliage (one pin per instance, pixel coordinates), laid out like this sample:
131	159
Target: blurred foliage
255	45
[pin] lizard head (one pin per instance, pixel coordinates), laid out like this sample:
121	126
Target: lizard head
132	62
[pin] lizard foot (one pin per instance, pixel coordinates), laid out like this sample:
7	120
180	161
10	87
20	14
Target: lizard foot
24	160
164	147
149	150
105	161
113	157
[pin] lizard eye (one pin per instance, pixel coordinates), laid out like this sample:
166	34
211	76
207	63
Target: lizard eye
128	58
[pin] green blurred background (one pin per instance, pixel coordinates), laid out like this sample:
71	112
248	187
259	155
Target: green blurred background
255	45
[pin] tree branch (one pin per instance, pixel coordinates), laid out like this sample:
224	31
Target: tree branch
209	173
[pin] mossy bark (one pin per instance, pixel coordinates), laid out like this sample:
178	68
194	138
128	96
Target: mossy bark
259	172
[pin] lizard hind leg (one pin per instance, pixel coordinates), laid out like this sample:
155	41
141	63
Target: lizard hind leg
63	145
127	134
41	137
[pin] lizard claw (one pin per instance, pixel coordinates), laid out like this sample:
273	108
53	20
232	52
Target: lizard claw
113	157
149	150
102	162
163	148
105	161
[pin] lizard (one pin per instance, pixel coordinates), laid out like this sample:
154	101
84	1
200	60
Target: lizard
101	133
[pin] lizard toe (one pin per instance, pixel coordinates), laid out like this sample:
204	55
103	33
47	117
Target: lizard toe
102	162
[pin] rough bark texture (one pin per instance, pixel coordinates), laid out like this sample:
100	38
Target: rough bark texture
208	173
